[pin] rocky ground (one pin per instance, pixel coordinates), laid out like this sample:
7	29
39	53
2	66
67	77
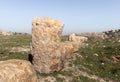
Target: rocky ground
98	62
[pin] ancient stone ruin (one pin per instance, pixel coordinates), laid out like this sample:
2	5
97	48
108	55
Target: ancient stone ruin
49	53
78	40
46	37
17	71
68	48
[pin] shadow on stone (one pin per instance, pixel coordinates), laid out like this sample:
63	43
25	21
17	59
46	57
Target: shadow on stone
30	58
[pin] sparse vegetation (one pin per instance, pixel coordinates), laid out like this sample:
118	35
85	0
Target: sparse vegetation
8	42
98	59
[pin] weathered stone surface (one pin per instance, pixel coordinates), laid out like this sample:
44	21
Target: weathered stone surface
47	79
6	33
17	71
20	49
46	37
68	48
78	39
96	36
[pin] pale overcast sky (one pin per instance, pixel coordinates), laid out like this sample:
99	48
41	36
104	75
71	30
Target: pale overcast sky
77	15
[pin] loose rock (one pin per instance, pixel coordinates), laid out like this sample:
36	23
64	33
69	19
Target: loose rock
17	71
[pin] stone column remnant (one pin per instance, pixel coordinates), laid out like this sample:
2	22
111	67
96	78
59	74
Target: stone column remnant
46	37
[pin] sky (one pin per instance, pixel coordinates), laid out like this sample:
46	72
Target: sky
78	16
